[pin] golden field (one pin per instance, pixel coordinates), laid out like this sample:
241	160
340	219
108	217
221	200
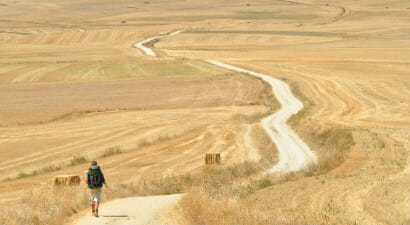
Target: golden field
73	88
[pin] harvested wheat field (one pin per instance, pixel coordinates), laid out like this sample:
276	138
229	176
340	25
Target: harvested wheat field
307	101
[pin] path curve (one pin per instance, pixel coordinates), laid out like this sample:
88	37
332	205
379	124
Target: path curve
149	51
294	154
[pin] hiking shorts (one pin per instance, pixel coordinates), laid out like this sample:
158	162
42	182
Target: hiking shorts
95	195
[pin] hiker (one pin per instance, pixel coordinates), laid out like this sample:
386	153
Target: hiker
95	180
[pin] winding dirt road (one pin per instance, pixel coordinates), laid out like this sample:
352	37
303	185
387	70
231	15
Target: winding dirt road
146	49
294	155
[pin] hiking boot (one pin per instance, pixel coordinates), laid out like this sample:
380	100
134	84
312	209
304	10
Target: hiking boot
96	213
93	213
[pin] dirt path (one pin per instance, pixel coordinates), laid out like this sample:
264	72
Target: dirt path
294	154
136	211
146	49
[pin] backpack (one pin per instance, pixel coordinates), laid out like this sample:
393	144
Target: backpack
95	178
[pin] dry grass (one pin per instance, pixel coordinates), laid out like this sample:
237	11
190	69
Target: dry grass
235	202
199	209
266	147
332	143
43	170
45	205
307	104
112	151
52	205
351	60
335	144
231	203
75	160
146	143
228	198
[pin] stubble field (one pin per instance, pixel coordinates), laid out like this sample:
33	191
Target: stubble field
72	86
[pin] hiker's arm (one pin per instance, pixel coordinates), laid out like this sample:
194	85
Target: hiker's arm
86	180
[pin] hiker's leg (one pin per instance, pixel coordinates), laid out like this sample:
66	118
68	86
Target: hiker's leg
93	206
97	203
91	199
97	198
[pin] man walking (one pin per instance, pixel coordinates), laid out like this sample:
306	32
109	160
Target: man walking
95	180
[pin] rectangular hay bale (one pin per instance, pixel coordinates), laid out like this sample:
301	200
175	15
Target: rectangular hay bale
67	180
212	158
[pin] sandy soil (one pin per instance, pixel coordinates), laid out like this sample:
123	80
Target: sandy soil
136	211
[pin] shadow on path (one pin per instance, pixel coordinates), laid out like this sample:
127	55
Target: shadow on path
115	216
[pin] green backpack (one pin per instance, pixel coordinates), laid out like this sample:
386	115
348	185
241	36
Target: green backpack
95	178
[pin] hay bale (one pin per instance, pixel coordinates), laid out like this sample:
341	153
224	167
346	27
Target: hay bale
212	158
67	180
